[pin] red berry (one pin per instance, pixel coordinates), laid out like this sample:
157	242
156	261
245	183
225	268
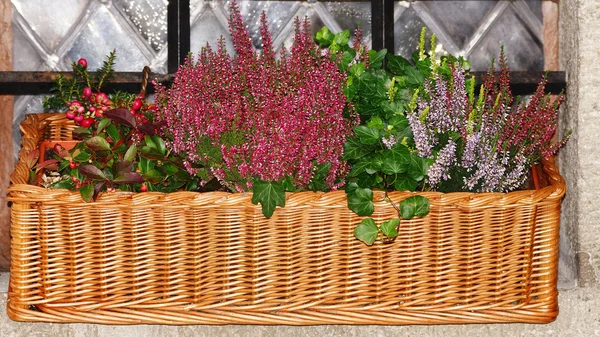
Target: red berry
78	118
81	109
87	92
137	104
98	113
82	62
75	103
74	179
78	185
70	114
86	123
144	188
72	165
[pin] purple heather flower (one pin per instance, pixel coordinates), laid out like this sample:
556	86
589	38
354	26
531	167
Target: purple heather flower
445	159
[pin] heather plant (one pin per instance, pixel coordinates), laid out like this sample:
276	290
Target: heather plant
260	122
484	144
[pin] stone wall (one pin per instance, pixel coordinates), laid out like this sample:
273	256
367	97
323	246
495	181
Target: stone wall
580	160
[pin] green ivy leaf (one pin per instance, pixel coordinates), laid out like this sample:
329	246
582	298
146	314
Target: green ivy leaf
360	200
396	160
414	77
388	228
366	231
367	135
354	149
357	69
342	38
418	167
376	123
288	185
399	122
396	64
87	192
405	183
97	143
414	206
347	57
376	58
269	195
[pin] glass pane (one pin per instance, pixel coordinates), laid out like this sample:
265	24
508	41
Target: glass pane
149	17
477	28
101	35
50	19
522	50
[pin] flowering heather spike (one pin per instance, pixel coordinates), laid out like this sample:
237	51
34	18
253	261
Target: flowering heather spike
246	120
357	43
267	41
494	143
422	44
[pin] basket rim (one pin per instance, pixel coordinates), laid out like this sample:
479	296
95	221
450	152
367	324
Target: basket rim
34	124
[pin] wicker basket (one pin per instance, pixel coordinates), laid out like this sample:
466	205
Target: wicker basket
212	258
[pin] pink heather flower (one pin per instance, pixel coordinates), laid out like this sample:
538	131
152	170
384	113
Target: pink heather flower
252	116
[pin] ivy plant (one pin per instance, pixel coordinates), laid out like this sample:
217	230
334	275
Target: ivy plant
382	87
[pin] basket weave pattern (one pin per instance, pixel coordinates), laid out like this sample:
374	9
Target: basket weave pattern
212	258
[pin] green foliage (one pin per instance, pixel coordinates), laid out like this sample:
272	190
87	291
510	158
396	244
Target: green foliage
269	195
382	154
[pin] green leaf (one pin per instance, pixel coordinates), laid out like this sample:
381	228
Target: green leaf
357	69
418	167
367	135
414	206
169	168
269	195
376	123
399	122
87	192
288	184
160	144
389	228
153	176
354	149
145	164
342	38
414	77
97	143
396	160
376	58
113	132
396	64
360	200
150	142
324	36
323	169
347	57
369	181
366	231
103	123
81	133
405	183
130	154
83	156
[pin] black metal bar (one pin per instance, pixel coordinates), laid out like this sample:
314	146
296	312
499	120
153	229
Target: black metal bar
388	25
37	82
178	33
377	24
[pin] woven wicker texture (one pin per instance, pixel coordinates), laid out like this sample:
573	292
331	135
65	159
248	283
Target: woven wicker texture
212	258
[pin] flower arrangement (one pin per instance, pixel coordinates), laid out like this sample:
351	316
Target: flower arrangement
119	147
258	123
323	116
486	145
